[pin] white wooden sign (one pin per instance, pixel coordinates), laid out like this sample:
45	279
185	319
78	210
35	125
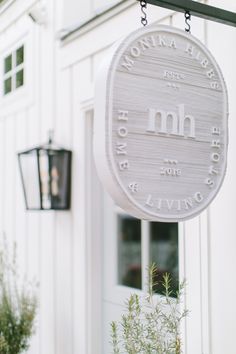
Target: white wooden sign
161	115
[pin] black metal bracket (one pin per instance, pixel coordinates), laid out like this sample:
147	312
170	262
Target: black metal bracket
198	9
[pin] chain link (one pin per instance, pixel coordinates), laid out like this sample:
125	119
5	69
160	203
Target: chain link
187	19
143	4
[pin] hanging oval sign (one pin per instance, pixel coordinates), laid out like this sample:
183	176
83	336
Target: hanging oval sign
161	125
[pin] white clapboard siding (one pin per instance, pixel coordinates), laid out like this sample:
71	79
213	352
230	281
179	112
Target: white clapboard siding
2	175
64	237
81	91
33	224
21	226
74	12
8	183
222	211
58	247
46	116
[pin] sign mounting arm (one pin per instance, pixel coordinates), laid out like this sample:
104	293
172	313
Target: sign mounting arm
197	9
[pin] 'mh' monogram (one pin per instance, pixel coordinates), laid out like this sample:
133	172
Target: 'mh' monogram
179	123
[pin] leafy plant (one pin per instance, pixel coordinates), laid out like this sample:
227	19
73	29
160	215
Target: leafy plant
151	325
18	306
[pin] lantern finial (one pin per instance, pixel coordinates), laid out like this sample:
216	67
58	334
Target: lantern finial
50	136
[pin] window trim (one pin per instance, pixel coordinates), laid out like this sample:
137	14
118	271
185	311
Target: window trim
114	292
24	95
146	244
5	5
14	70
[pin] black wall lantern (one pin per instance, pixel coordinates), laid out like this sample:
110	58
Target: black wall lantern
46	177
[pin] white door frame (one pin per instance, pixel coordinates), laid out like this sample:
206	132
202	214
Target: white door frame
94	227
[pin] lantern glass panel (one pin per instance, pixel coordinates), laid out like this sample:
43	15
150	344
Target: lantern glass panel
59	162
29	170
44	179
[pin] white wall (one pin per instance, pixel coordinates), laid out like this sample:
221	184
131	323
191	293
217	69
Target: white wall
78	12
205	262
222	212
54	245
47	242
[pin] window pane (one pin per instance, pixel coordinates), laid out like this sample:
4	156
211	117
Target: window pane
7	86
20	56
29	165
129	251
8	64
45	179
20	78
164	253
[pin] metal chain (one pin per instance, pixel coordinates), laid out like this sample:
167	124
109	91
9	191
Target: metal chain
187	19
143	4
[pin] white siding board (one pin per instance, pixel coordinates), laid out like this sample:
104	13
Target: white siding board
33	266
48	250
9	181
94	232
99	5
86	45
205	256
97	61
64	108
229	5
33	225
63	233
63	283
33	217
47	321
14	12
182	276
197	25
76	12
47	88
2	163
78	214
222	210
193	290
84	89
21	219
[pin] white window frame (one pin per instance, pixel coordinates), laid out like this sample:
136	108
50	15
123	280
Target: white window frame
24	95
93	239
114	291
14	70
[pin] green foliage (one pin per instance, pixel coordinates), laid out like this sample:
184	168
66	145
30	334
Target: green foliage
150	325
18	305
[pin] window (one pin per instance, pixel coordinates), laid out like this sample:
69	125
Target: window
160	243
13	71
129	250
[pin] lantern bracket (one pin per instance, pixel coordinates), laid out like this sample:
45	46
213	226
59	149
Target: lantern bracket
197	9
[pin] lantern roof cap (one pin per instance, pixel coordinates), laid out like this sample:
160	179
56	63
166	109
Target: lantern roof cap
48	146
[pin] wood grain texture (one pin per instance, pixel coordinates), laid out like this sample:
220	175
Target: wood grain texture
161	130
